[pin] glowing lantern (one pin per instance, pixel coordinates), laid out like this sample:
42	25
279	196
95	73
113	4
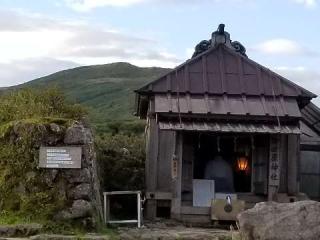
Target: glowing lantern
242	163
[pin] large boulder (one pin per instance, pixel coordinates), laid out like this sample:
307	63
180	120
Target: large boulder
78	175
281	221
81	191
79	209
77	134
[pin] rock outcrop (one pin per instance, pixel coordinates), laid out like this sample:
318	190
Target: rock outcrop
281	221
65	194
83	190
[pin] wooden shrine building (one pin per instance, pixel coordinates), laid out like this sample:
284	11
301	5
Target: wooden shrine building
220	125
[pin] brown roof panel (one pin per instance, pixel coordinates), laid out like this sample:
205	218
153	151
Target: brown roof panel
256	107
233	105
236	105
217	104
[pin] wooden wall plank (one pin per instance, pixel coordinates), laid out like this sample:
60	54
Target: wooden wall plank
151	165
187	167
260	165
293	158
152	155
310	173
167	142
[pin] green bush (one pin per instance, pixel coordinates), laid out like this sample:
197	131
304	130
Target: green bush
125	127
30	104
121	158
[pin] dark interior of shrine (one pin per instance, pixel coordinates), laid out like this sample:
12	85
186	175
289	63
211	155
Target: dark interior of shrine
233	150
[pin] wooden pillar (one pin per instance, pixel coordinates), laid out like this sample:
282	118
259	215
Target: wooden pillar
177	178
274	166
152	140
293	159
283	188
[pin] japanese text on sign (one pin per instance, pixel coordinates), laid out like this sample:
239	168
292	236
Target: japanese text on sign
60	157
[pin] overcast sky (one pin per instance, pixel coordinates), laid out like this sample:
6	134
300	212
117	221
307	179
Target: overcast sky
41	37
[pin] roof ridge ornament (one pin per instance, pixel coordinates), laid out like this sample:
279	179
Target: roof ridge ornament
219	37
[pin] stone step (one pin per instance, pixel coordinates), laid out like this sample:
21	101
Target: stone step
65	237
20	230
60	237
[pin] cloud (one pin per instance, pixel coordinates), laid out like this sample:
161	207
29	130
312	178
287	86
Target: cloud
19	71
19	21
189	52
307	78
282	46
87	5
65	41
307	3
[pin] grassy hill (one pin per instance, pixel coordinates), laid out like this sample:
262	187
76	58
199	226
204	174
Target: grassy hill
107	90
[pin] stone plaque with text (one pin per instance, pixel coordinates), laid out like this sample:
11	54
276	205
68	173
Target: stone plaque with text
60	157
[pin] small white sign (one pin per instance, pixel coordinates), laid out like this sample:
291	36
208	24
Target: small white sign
60	157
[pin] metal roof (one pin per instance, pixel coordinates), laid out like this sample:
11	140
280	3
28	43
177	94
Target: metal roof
308	135
221	70
311	116
221	80
232	104
230	127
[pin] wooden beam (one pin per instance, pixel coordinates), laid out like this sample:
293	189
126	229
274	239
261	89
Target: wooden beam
151	165
195	210
152	156
159	195
176	182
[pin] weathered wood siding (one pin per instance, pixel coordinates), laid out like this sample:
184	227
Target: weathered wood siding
260	165
310	174
310	163
293	160
167	144
187	169
160	149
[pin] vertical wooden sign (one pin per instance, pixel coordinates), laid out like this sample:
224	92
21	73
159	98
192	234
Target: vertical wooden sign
274	166
274	161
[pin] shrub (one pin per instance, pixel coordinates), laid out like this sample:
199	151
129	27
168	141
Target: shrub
121	159
30	103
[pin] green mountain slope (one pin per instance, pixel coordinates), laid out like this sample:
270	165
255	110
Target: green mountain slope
107	90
